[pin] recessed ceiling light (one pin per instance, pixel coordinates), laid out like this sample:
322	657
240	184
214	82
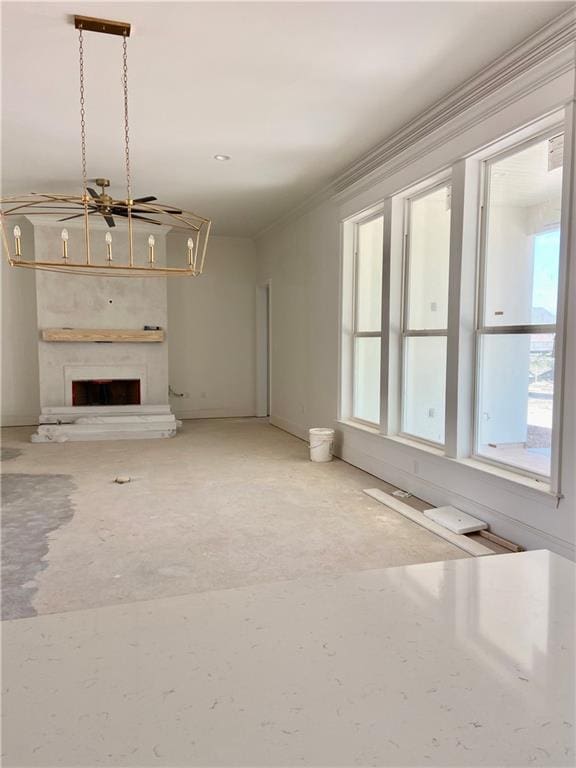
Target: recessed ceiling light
221	157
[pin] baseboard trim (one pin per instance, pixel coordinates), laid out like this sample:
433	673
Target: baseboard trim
20	420
290	426
507	527
214	413
471	546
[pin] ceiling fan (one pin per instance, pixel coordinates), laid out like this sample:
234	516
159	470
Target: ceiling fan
107	207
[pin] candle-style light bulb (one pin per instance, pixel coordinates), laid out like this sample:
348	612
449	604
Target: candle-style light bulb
64	236
190	252
151	242
108	239
17	236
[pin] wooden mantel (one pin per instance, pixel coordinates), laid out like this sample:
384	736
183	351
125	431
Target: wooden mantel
102	334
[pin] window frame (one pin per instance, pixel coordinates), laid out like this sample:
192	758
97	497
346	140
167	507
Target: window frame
356	334
481	329
405	332
464	173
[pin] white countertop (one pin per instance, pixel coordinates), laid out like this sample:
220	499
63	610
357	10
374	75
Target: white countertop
461	663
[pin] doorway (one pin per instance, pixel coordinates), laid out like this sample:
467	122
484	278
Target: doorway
263	350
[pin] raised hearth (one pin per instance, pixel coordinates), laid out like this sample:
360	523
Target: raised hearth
94	422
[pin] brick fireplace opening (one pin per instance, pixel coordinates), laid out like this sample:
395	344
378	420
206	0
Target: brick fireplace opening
106	392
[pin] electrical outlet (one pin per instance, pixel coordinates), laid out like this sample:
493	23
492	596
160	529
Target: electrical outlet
434	306
431	413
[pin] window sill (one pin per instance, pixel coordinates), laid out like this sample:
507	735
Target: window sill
529	486
359	425
420	446
540	486
401	440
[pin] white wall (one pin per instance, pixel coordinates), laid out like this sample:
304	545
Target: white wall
20	402
211	329
212	322
301	261
301	257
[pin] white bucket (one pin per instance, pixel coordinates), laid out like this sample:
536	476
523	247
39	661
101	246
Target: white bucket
321	443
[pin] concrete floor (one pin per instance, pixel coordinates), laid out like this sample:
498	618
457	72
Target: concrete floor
226	503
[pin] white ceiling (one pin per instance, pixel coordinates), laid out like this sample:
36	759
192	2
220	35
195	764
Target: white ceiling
294	92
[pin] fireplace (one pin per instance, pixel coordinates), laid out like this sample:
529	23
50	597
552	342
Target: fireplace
106	392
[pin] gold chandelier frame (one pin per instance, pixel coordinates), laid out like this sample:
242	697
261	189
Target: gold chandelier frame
86	260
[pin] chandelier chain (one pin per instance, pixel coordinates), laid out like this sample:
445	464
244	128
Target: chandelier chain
82	111
126	128
75	257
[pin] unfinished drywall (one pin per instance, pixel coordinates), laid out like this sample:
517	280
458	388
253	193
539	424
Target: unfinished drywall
212	331
20	389
301	258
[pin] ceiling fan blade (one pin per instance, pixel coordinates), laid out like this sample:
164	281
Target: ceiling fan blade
122	210
148	199
109	220
145	218
124	214
93	192
76	216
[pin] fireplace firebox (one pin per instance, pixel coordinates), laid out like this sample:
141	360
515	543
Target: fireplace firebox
106	392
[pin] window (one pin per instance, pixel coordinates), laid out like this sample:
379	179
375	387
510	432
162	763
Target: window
425	313
454	309
519	277
367	319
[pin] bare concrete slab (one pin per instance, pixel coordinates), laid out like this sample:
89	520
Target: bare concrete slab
33	507
226	503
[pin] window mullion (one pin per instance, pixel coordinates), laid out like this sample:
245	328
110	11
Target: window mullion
460	362
425	332
567	246
517	329
386	340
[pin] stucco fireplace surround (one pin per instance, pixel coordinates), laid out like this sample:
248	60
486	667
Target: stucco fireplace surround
79	302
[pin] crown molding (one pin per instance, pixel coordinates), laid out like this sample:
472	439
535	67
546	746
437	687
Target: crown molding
550	42
559	34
